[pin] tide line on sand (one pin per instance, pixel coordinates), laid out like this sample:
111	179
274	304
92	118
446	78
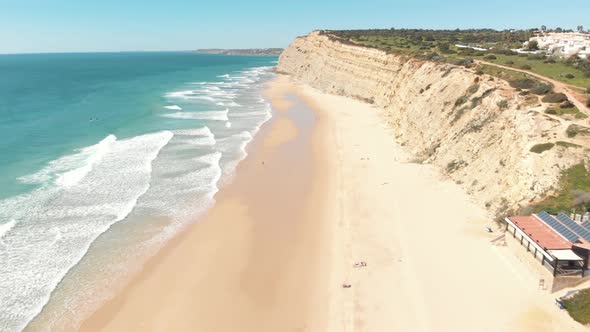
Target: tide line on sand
355	217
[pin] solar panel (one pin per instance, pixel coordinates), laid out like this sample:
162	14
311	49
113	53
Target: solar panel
586	225
557	226
581	231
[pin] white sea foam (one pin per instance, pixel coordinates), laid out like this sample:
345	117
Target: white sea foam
211	159
203	131
205	115
207	98
193	137
180	94
81	212
69	170
175	179
228	104
95	155
234	145
213	93
198	141
209	83
262	113
6	227
149	175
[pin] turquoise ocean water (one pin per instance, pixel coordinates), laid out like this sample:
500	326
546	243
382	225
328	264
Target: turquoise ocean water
105	156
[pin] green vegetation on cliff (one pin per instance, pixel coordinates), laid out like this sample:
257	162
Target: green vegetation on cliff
561	111
457	46
578	306
540	148
573	192
443	40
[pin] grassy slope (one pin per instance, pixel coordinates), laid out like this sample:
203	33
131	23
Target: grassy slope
566	111
556	71
575	178
401	43
579	306
507	75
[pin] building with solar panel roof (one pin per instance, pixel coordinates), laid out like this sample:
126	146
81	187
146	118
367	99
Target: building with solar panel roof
557	242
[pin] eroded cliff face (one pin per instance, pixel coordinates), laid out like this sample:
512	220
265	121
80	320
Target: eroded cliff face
475	128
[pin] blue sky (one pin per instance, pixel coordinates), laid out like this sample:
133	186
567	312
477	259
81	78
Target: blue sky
123	25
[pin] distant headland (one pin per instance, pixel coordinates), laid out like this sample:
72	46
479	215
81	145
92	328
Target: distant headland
250	51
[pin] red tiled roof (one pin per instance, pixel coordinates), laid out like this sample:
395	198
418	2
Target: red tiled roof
542	234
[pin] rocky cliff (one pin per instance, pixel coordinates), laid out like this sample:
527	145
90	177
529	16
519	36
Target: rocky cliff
475	128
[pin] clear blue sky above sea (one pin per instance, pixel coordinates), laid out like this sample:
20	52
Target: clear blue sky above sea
127	25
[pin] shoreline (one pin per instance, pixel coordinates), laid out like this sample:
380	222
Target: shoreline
243	241
102	206
272	261
118	252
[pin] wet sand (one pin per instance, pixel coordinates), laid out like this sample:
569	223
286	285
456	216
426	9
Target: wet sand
254	262
324	187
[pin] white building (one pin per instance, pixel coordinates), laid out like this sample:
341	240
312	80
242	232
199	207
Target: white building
564	44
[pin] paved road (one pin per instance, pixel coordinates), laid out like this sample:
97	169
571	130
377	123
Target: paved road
557	85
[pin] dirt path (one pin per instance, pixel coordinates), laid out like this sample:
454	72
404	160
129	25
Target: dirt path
557	85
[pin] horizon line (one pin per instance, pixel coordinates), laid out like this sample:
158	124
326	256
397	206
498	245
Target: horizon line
139	51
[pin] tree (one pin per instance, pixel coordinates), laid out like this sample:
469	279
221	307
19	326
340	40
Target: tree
543	28
444	47
533	45
580	28
573	59
503	103
558	29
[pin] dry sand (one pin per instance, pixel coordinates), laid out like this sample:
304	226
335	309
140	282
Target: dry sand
324	187
255	262
430	264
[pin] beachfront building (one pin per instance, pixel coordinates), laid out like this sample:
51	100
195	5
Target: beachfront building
564	44
559	244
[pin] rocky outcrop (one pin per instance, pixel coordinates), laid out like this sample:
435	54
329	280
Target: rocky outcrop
475	128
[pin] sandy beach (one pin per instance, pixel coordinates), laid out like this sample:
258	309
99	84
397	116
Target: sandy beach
257	261
326	187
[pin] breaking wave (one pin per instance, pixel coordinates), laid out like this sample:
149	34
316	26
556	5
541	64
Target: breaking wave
172	173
